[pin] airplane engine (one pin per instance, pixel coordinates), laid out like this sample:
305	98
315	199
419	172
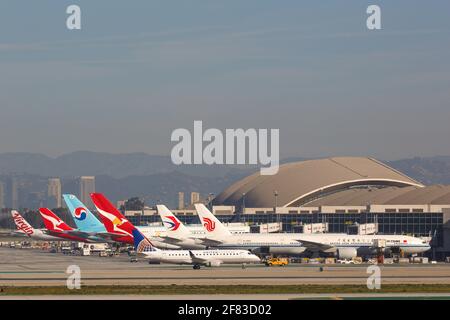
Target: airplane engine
346	253
214	264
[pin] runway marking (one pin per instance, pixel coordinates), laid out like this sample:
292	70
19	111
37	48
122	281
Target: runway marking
30	272
225	278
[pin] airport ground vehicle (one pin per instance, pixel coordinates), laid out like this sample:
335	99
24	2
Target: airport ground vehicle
281	262
345	261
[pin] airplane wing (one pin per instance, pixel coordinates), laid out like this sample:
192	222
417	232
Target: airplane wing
15	233
210	242
316	246
169	239
78	234
53	233
109	235
173	240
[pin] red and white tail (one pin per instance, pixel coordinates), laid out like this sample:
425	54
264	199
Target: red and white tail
173	225
113	220
210	223
22	225
52	222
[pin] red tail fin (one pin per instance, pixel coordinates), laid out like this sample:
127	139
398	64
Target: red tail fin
113	220
52	221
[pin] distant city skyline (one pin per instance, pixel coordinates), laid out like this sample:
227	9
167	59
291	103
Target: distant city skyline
135	72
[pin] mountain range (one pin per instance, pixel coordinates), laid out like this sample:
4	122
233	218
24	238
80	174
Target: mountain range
155	178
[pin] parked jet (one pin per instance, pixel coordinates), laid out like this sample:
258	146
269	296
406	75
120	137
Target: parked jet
88	223
177	232
262	243
344	246
57	227
197	258
25	229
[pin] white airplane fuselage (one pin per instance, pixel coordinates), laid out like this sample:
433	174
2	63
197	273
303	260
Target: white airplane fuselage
288	243
210	257
36	234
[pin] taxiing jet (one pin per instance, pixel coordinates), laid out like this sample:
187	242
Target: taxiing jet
25	229
196	258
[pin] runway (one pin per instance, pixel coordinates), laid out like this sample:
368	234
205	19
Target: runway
32	267
234	297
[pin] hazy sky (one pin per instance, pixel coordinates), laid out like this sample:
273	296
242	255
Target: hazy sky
139	69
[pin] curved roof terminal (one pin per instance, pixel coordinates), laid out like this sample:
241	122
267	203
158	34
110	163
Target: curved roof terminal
301	182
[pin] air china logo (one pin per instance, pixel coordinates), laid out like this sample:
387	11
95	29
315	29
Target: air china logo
80	213
173	224
22	225
209	224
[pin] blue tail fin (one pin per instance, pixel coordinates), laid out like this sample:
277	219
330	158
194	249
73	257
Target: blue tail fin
84	219
141	243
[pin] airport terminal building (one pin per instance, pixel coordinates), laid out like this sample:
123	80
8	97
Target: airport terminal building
339	193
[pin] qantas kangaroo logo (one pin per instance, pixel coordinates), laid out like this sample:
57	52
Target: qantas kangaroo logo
54	221
173	224
117	223
22	225
209	224
80	213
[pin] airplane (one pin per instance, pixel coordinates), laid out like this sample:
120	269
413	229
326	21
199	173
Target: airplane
177	232
57	227
342	245
196	258
87	222
261	243
345	246
25	229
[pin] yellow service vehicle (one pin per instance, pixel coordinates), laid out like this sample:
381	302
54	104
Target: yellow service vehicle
281	262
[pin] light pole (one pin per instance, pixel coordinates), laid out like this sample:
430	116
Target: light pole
142	212
210	198
275	193
243	206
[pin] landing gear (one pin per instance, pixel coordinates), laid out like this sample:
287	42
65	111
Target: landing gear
196	267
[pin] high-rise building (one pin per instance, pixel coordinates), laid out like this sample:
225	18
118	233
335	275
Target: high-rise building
15	193
2	195
120	204
180	200
54	193
195	197
87	186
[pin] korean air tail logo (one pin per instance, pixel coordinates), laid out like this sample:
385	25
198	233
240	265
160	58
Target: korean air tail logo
209	224
173	224
80	213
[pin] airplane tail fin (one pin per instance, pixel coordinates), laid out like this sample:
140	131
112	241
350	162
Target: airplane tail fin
141	243
52	222
82	216
112	219
22	225
210	223
171	222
